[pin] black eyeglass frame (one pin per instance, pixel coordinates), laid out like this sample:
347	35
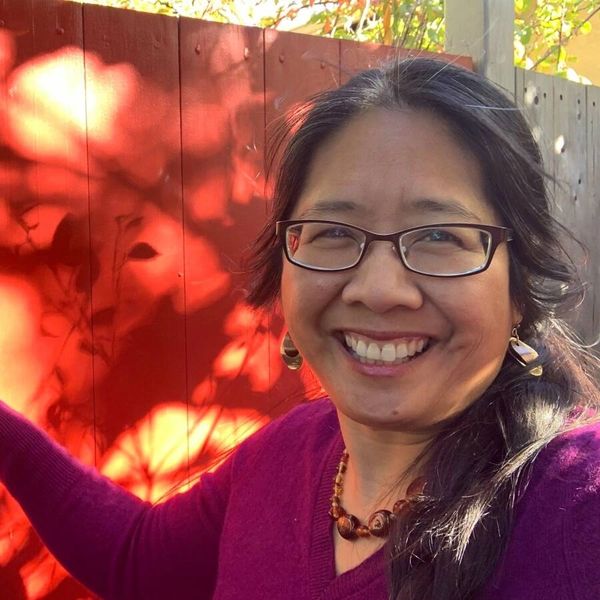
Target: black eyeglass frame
497	233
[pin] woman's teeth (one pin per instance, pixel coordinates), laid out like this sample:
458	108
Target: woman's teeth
384	353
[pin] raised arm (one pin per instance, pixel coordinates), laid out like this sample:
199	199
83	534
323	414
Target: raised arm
115	544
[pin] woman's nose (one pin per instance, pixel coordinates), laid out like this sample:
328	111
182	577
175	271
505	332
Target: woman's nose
382	282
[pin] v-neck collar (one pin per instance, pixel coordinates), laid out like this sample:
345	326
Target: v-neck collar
324	583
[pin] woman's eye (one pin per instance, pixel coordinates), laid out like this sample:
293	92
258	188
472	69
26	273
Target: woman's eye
336	232
439	235
331	233
330	237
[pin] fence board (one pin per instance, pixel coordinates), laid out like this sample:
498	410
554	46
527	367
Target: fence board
535	93
483	29
43	191
572	192
17	18
569	146
593	217
222	78
297	66
134	150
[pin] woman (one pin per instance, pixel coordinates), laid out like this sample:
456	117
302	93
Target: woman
413	253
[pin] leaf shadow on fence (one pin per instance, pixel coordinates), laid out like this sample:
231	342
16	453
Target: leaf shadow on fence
125	204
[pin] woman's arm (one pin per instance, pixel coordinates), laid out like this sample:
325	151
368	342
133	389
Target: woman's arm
115	544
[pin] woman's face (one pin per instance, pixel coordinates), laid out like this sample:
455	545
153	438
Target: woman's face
386	171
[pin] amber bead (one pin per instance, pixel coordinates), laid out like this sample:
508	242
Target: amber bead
363	531
379	523
346	526
417	487
336	511
401	507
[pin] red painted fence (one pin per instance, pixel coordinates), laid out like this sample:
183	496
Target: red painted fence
132	161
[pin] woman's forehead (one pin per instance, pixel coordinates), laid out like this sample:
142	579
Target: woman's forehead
391	162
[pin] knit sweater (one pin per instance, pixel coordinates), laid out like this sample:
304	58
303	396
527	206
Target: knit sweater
259	528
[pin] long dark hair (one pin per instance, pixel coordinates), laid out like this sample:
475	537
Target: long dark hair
478	463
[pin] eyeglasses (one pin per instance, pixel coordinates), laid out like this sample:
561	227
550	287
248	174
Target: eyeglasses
444	250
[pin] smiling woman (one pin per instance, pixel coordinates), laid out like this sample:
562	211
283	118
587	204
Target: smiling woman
421	275
412	336
463	322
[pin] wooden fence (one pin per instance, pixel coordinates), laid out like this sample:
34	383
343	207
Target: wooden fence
565	117
132	161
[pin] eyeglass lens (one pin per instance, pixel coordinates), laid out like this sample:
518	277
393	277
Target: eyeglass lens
435	250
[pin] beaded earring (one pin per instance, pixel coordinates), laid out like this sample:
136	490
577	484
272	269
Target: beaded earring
290	354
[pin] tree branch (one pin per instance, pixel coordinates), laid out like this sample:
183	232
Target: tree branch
407	26
560	36
567	39
363	16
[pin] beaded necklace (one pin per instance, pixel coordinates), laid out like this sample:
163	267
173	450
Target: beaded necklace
379	523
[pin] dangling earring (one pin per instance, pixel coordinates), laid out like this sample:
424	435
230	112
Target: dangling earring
523	353
289	353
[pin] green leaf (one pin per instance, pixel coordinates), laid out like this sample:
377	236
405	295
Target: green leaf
526	34
586	28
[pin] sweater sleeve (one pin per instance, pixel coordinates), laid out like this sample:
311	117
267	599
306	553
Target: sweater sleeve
115	544
581	527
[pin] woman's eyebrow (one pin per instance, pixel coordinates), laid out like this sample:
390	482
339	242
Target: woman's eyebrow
422	205
447	207
325	207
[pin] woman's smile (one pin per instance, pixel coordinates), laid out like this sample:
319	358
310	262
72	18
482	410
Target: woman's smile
389	351
382	354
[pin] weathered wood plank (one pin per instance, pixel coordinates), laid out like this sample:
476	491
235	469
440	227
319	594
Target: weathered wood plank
134	154
572	193
297	66
593	206
223	131
570	140
44	243
535	95
483	29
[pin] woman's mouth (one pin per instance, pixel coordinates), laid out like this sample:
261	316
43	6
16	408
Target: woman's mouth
383	352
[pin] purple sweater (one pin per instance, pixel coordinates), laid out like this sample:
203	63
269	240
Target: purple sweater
258	528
